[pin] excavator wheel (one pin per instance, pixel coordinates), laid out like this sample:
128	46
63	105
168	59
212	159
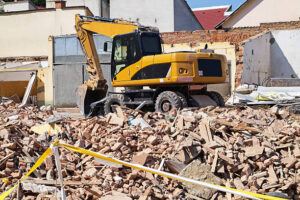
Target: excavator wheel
166	101
217	98
113	99
184	102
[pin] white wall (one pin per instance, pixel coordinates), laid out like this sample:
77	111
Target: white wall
93	5
26	33
184	18
265	11
157	13
18	6
256	58
274	54
285	52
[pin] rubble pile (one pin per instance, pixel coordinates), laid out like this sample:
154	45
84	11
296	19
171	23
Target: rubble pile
248	149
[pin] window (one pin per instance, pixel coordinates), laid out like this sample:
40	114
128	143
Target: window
151	45
120	54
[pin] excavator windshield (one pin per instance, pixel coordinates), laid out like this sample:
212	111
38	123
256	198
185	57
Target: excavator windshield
130	48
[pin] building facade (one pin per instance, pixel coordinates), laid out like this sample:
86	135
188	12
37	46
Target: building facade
18	6
97	7
254	12
36	26
167	15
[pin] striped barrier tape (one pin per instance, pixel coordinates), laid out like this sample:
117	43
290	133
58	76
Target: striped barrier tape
35	166
109	159
246	194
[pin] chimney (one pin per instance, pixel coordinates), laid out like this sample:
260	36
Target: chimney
60	4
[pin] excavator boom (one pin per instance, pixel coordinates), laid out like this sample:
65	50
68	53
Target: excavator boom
96	88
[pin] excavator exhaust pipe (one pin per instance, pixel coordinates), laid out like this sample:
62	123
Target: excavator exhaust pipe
86	96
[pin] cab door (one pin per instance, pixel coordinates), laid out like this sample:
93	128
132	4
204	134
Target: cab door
120	59
125	55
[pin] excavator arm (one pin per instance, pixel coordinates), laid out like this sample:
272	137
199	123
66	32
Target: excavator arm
96	88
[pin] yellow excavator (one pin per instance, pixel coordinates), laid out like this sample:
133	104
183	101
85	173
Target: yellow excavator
162	81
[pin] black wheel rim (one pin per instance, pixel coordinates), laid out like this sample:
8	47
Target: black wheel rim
166	106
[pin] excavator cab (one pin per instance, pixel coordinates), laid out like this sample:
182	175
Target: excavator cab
129	48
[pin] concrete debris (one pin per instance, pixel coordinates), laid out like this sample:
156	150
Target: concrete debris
200	172
254	149
41	189
140	122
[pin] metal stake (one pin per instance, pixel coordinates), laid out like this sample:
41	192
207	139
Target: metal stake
58	167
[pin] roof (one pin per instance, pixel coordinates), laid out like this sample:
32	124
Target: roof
219	26
209	17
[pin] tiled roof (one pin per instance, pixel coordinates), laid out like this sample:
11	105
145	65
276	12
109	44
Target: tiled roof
210	17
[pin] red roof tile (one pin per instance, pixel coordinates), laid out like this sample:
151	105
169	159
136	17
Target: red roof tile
211	17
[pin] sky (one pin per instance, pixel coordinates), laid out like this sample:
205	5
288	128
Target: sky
206	3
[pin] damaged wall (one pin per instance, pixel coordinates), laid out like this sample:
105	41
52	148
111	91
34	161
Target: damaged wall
271	55
257	59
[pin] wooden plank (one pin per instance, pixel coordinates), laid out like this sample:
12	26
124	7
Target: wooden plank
28	89
205	131
213	167
220	154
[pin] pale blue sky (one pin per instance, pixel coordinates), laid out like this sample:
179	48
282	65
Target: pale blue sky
206	3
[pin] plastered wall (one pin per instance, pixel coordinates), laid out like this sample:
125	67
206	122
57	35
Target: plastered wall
264	11
285	51
269	55
26	33
257	60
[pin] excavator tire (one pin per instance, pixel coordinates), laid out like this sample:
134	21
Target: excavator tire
184	102
166	101
217	98
113	99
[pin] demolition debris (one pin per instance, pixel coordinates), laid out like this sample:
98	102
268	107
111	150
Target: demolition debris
250	149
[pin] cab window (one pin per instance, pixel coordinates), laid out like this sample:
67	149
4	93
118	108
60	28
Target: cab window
120	54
